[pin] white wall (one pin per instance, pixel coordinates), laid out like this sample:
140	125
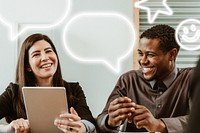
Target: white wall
96	79
7	54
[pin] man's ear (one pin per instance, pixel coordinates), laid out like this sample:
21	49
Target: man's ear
173	54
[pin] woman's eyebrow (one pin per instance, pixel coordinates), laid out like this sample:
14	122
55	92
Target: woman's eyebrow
48	48
36	51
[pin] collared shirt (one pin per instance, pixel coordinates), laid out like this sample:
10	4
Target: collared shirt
169	79
172	105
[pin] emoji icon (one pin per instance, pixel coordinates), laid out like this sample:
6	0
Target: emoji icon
188	34
192	39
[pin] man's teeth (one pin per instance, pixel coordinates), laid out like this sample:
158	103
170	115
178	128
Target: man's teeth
45	66
146	69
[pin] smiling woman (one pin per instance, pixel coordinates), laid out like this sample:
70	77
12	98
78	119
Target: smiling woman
38	65
43	62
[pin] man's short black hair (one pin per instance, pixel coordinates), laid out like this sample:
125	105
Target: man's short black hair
165	34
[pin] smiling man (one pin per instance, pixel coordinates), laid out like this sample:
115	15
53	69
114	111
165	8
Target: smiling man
157	95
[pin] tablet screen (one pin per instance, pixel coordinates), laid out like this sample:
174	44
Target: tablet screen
43	105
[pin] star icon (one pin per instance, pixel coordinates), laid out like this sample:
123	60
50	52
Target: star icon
152	15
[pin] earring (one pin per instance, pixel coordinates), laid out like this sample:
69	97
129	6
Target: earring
29	69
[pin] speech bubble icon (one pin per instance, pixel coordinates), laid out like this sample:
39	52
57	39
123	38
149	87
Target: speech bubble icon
99	37
188	34
32	13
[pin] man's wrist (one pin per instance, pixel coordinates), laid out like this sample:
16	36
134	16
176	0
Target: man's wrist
108	126
162	127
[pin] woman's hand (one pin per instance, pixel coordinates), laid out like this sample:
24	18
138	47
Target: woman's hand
70	122
19	126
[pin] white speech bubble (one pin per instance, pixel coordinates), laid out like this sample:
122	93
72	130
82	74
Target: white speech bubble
99	37
188	34
33	13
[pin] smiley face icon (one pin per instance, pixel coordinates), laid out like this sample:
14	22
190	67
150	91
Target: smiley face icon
188	34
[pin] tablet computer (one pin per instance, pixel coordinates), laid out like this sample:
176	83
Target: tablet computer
43	105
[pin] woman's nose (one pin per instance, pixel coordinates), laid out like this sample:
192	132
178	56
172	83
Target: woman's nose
44	57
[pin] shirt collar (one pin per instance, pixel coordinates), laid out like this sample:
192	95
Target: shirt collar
169	79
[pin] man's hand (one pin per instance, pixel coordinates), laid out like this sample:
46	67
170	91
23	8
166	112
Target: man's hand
143	118
119	109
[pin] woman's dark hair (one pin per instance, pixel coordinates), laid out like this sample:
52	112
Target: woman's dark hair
165	34
25	77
